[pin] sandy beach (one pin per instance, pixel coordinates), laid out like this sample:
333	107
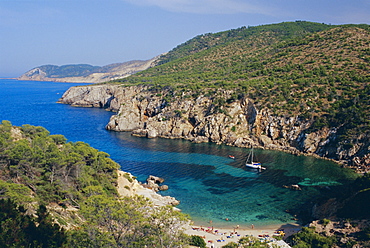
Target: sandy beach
221	236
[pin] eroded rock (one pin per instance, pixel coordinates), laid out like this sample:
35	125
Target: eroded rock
199	120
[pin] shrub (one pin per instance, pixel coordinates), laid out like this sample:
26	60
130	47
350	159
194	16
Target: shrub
309	238
325	222
197	241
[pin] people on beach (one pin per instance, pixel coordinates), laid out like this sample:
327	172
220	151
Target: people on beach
252	226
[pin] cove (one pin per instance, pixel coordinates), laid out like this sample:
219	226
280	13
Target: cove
209	185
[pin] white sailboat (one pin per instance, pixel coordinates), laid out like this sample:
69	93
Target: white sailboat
254	165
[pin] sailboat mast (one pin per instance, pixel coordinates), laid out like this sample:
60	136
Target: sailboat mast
252	156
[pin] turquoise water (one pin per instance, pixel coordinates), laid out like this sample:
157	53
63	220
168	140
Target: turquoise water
209	185
212	186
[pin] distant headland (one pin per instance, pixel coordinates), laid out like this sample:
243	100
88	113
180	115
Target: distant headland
84	73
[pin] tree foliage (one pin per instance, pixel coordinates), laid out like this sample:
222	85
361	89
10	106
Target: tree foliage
53	169
20	230
197	241
39	169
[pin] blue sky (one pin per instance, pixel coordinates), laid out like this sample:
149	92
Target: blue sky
101	32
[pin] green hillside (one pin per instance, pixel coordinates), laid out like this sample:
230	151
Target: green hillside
250	35
315	71
55	193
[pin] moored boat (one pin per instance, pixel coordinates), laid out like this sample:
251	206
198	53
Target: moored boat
251	164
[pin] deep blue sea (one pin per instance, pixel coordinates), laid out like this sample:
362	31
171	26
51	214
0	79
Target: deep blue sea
209	185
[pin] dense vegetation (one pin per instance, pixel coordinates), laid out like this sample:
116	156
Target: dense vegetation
59	194
315	71
20	230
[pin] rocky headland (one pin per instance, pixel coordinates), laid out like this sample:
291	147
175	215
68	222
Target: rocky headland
87	73
152	113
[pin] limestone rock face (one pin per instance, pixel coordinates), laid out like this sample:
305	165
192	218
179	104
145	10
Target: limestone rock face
203	119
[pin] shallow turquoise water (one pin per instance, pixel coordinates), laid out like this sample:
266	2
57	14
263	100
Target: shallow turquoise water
212	186
209	185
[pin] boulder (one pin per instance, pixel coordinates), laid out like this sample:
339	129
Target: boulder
152	133
152	182
157	180
163	187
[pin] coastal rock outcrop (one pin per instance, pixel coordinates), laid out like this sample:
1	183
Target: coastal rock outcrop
153	182
219	118
127	185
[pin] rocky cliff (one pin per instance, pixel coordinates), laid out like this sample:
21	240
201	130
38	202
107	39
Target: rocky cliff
87	73
167	114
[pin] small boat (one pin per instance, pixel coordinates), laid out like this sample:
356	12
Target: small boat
254	165
293	186
231	156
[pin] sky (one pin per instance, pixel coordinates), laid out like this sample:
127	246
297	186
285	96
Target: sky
102	32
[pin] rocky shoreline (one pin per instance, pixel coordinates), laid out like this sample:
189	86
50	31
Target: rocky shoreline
240	123
127	185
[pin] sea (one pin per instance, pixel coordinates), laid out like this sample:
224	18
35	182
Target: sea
211	187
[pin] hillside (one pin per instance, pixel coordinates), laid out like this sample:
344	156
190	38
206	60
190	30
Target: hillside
314	74
243	37
83	73
310	73
55	193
